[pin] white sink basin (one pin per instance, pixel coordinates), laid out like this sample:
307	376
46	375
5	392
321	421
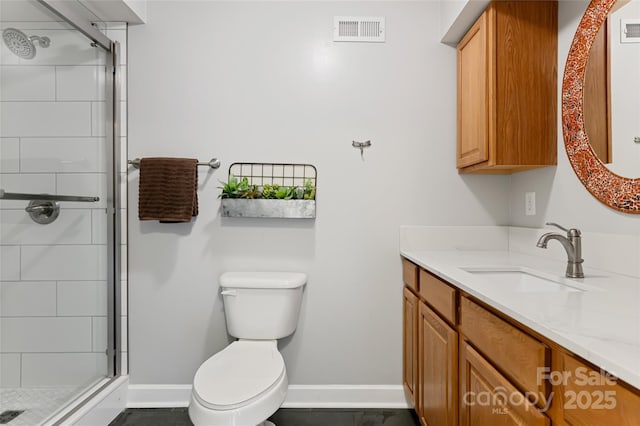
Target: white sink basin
524	280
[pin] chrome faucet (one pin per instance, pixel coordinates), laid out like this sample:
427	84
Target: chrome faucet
572	244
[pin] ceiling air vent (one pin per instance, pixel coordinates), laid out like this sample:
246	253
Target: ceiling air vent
630	31
358	28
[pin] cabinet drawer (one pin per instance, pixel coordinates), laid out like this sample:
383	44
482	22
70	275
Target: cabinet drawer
410	274
515	353
589	398
439	295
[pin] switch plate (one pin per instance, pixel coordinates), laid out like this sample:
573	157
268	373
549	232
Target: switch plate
530	203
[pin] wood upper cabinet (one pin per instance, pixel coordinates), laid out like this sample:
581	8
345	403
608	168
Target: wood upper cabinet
410	341
507	89
437	370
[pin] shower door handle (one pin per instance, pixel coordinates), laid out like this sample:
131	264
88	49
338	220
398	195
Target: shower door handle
44	208
46	197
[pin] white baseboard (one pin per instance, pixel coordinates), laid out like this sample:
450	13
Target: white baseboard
346	396
159	396
298	396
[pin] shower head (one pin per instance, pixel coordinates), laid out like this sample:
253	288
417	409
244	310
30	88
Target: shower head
21	44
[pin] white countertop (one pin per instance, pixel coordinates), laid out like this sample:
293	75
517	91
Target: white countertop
601	323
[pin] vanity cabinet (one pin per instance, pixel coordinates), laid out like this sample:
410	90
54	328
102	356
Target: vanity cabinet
468	364
430	346
507	89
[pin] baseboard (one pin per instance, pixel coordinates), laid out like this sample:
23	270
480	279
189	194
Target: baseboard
158	396
298	396
346	396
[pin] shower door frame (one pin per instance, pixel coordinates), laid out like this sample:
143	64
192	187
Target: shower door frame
65	10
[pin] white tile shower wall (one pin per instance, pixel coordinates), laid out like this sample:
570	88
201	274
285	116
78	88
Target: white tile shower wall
10	370
53	293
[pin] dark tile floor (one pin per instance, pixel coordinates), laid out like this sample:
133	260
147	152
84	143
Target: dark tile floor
282	417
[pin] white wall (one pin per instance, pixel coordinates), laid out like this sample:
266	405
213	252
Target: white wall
53	289
263	82
559	194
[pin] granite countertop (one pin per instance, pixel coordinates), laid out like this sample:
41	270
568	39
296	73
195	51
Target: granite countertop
597	318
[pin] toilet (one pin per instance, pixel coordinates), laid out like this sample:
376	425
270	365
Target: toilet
246	382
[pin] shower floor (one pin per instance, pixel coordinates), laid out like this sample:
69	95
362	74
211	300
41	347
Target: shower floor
38	403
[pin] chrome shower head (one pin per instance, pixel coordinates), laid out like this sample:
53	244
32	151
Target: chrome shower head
22	45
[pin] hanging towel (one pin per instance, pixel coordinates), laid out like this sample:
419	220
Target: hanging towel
168	189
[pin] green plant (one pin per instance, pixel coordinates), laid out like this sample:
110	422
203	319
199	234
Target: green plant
234	188
298	193
253	191
269	191
285	193
309	190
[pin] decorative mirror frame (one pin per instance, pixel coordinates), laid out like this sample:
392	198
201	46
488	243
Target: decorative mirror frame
617	192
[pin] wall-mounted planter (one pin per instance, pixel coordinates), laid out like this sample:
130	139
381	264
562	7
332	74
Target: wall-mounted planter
294	209
291	191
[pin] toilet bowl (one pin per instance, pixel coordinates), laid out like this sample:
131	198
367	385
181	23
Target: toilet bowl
239	384
246	382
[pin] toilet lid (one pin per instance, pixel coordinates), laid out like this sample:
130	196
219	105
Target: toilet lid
237	374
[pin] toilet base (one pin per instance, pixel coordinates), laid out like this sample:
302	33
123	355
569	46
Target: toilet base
267	423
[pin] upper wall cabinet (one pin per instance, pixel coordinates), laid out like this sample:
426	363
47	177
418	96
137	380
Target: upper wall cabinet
507	89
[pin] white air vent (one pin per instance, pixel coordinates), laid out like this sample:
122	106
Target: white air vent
358	28
630	31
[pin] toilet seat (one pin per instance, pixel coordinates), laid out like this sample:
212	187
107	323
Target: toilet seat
238	375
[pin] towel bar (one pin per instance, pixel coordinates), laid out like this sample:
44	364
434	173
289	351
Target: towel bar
214	163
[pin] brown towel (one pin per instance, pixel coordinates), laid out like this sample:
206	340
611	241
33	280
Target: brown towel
168	189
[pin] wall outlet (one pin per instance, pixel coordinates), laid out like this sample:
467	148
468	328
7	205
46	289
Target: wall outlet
530	203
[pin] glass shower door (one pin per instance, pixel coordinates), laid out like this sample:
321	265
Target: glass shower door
55	168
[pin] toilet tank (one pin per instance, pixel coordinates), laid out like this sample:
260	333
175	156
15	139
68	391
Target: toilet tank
262	305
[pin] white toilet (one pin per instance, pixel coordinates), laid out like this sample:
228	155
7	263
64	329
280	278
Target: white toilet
246	382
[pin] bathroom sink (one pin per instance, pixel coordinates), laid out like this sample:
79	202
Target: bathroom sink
524	280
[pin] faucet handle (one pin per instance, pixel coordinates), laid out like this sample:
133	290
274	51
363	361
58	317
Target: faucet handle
557	226
570	232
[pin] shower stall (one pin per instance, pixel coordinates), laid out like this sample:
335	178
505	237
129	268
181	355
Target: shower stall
60	210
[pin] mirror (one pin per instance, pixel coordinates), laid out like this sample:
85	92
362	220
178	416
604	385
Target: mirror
613	189
612	90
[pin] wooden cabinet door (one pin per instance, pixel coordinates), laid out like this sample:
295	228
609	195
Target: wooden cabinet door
488	399
437	370
473	92
409	346
592	399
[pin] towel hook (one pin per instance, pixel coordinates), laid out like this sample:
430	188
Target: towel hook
362	146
